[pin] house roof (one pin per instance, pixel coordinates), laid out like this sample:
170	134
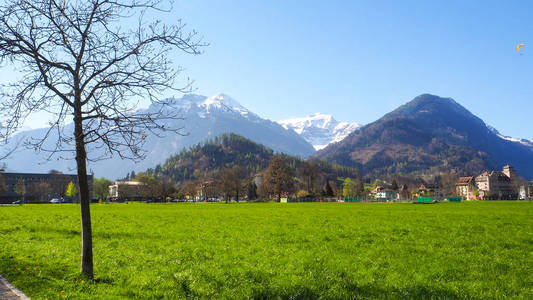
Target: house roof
465	180
429	186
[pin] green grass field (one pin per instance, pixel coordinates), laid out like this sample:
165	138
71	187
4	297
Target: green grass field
474	250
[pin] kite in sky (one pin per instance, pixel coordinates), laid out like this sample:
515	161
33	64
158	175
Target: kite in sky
519	46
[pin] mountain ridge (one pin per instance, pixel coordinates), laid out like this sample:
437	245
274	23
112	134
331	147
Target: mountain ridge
428	134
204	117
206	159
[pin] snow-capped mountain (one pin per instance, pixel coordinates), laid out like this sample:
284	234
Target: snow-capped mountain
204	117
429	134
524	142
320	130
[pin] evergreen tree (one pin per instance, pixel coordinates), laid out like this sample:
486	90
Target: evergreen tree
328	191
394	185
359	187
252	190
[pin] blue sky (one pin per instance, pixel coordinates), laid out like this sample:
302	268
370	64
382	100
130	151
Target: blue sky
359	60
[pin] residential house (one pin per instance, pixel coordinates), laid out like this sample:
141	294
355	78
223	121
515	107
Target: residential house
386	194
465	187
430	190
376	190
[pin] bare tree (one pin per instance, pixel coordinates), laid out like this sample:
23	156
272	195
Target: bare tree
308	170
150	189
3	186
58	183
77	62
238	181
226	182
277	178
448	181
208	187
166	188
190	188
40	190
20	188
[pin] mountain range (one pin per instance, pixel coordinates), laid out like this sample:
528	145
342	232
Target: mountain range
320	130
429	134
204	117
227	151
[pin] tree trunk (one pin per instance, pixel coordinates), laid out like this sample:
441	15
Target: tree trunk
83	183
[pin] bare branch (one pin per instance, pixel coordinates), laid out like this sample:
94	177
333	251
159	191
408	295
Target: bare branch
74	53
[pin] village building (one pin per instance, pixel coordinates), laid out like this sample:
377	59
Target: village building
376	190
127	190
497	184
207	190
465	187
386	194
404	193
430	190
55	186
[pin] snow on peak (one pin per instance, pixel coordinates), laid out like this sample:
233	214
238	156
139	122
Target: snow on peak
223	102
319	129
524	142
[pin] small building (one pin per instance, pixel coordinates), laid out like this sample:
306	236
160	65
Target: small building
465	187
374	192
127	190
387	195
430	190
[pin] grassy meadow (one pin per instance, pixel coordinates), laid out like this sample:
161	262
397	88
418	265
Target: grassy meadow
474	250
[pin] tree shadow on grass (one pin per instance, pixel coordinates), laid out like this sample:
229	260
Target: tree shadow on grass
36	279
67	232
353	291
